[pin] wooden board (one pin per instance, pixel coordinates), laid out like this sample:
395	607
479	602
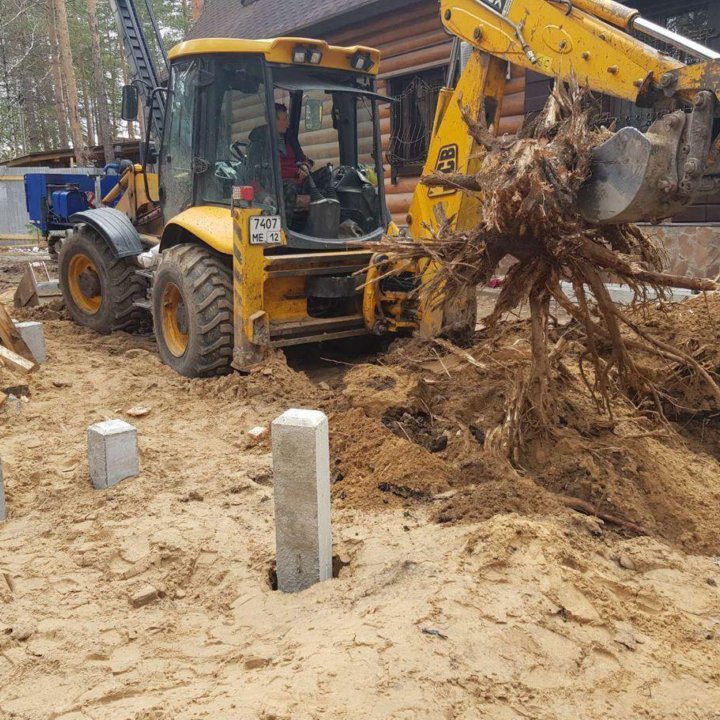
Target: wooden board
15	361
10	336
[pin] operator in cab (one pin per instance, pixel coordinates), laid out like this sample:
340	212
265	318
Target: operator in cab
289	147
295	180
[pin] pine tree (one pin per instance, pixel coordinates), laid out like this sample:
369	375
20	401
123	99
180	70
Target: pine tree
103	120
66	60
61	72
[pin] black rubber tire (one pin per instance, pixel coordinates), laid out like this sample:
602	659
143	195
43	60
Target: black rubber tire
120	285
204	279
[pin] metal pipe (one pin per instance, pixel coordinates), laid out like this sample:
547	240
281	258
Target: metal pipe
454	60
672	38
611	12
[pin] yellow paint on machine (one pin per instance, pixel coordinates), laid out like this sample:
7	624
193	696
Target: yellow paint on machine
209	223
277	50
580	43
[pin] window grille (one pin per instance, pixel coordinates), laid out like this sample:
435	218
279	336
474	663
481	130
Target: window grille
412	117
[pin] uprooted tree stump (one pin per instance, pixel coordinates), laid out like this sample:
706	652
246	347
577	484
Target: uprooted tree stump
527	187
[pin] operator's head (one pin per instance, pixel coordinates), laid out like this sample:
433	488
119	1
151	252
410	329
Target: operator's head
281	118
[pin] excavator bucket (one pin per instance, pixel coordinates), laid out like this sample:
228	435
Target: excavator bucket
634	176
638	177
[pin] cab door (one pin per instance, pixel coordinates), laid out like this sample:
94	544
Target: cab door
179	139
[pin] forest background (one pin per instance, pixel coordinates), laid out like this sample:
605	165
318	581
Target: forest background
62	68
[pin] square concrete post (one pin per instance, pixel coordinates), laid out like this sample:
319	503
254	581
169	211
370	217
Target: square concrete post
301	470
34	337
112	453
3	509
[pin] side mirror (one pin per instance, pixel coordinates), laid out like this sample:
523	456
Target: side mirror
313	114
130	103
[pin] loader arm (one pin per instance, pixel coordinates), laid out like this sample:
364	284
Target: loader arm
635	176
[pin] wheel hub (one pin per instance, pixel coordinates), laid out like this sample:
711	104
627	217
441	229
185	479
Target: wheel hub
89	283
84	284
181	318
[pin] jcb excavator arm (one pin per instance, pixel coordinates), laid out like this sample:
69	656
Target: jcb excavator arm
635	176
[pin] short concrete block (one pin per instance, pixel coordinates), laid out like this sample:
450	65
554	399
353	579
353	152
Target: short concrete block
3	509
301	470
112	453
34	337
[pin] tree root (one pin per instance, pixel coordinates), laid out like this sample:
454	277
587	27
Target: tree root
526	189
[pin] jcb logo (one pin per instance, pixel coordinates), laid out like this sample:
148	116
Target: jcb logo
501	6
446	163
447	159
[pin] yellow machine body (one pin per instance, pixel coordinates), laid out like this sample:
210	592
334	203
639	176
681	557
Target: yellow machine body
585	39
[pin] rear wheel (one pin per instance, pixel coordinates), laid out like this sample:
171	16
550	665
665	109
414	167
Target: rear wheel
100	290
192	309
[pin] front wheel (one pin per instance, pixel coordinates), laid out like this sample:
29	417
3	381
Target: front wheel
100	290
193	311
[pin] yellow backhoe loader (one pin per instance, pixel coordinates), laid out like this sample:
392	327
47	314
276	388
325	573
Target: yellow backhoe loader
234	251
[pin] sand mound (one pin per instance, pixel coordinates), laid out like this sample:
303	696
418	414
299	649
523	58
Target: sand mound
540	613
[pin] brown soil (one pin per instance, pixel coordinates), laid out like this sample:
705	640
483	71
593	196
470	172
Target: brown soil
664	478
471	589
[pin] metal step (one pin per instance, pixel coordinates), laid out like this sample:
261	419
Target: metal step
316	330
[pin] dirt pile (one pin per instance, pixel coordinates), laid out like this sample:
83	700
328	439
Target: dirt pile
630	466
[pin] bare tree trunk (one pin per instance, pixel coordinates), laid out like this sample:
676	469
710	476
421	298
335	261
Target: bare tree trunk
197	8
28	100
57	78
45	132
87	107
100	90
63	36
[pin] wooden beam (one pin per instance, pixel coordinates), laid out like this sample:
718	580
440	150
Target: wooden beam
15	361
10	336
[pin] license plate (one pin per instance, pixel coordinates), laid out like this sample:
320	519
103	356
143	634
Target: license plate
265	230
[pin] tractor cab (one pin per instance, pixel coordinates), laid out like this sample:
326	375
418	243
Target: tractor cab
291	125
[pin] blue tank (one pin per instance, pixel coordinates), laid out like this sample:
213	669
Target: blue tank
51	198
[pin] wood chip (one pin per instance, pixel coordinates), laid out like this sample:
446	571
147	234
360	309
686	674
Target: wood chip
138	411
258	433
144	596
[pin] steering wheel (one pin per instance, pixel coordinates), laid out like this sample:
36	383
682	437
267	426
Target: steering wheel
238	150
225	171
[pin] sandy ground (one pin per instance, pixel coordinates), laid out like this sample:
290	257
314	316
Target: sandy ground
534	615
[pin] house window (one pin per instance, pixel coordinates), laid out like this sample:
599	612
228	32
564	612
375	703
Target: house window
412	119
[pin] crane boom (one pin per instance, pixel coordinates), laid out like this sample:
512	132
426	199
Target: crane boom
139	56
